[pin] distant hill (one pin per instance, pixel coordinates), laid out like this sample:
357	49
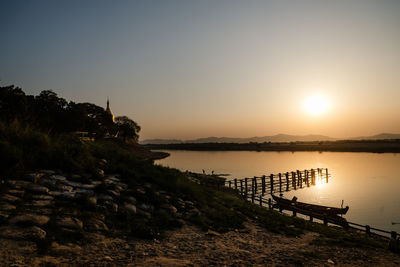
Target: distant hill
378	137
273	138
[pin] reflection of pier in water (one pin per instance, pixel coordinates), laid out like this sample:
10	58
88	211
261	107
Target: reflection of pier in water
250	188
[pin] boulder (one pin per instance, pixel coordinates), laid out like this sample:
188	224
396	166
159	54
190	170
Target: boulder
70	223
9	198
130	208
29	219
33	233
17	193
37	189
42	197
6	207
93	224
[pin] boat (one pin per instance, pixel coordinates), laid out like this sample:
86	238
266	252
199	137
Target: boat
301	206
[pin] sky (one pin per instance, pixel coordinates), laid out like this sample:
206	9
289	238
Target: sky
192	69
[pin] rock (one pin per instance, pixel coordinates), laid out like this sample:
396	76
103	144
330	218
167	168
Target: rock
212	233
103	162
16	184
130	200
17	193
9	198
103	198
130	208
73	184
33	177
58	178
113	193
63	250
70	223
64	195
107	258
140	190
331	262
3	217
48	172
144	213
42	197
41	203
88	186
38	189
111	206
32	233
169	208
64	188
7	207
76	177
93	224
146	207
100	172
29	219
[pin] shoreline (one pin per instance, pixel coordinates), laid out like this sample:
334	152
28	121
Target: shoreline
371	146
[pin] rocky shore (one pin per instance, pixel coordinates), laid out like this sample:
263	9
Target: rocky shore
48	218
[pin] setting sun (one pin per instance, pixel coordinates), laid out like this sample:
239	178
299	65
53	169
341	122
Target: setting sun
316	105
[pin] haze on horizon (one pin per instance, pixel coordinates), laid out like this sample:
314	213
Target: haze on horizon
185	69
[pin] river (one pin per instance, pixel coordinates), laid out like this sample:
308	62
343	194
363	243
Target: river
367	182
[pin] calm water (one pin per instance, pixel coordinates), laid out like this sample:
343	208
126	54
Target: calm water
369	183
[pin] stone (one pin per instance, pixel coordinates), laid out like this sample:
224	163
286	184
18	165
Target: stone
113	193
144	213
3	217
130	208
212	233
58	178
16	184
70	223
63	250
29	219
146	207
42	197
41	203
331	262
103	198
170	208
111	206
17	193
7	207
140	190
64	195
64	188
131	200
100	172
38	189
88	186
33	177
48	172
93	224
9	198
31	233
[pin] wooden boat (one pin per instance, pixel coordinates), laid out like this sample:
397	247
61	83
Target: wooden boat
301	206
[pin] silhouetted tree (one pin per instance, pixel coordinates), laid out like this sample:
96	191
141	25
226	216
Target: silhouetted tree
127	128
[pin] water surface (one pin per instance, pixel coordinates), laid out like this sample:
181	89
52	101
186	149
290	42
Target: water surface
368	182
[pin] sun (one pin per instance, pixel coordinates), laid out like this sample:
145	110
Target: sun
316	105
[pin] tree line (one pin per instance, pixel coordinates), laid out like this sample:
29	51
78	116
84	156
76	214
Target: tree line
52	114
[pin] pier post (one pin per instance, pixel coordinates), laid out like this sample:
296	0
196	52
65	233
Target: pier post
252	186
235	182
263	184
311	218
326	174
294	180
272	182
307	178
245	187
294	213
269	203
300	179
255	184
241	187
287	181
312	176
230	184
280	182
260	201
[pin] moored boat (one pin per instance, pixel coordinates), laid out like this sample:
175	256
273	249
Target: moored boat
323	210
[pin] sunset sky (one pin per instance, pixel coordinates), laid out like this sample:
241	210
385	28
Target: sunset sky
191	69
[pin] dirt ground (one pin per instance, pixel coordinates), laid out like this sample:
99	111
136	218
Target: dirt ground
189	246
